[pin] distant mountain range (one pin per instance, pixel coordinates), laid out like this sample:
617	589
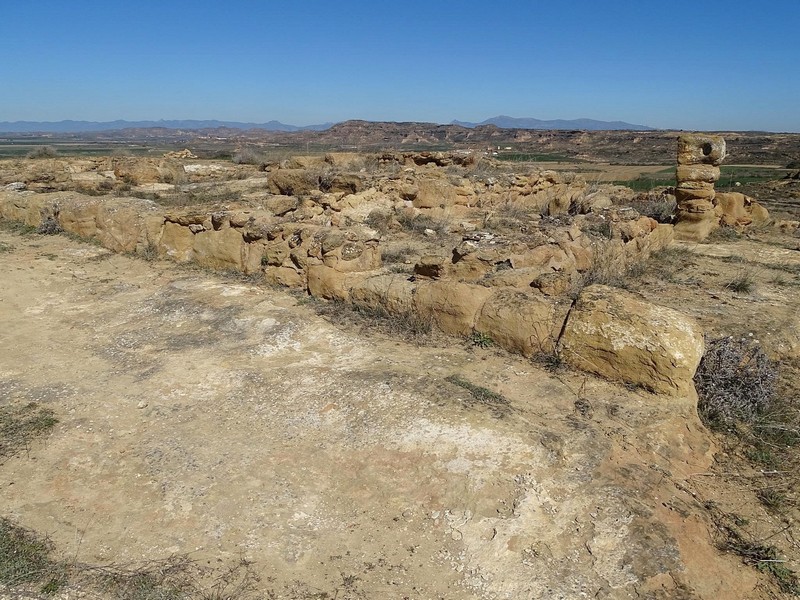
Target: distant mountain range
85	126
503	122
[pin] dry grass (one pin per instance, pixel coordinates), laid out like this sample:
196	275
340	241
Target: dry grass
20	424
408	326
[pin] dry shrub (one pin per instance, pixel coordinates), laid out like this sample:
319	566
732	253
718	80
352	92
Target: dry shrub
735	382
419	223
43	152
658	206
248	156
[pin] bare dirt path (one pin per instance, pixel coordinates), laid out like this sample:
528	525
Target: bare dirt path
210	416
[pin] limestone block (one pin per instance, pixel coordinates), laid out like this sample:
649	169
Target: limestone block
683	195
330	284
523	322
515	278
703	173
547	255
354	256
432	266
453	306
153	226
393	293
555	283
635	228
186	218
253	255
276	252
434	193
696	205
694	230
621	336
221	249
79	218
348	183
176	242
280	205
119	226
698	148
286	276
25	207
701	186
136	171
292	182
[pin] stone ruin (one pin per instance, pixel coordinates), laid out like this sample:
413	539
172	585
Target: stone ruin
700	209
521	259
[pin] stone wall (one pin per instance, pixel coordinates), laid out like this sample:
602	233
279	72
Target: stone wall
517	289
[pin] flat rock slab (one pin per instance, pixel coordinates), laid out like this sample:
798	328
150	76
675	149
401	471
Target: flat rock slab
211	416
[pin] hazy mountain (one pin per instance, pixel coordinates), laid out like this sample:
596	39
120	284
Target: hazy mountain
505	122
85	126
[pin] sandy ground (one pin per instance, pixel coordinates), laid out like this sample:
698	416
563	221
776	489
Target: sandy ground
206	415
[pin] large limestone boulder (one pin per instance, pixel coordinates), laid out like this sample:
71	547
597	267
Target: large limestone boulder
619	335
433	192
739	211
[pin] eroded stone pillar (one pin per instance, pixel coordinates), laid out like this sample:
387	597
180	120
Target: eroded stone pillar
699	157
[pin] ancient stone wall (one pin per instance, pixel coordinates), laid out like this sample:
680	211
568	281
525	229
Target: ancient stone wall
518	290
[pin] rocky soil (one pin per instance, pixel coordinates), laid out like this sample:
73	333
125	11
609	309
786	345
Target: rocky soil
218	415
206	415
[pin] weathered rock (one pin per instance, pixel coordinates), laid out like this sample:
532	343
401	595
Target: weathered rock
737	210
180	154
434	193
137	171
286	276
703	173
330	284
619	335
221	249
280	205
555	283
698	158
700	149
394	293
523	322
431	266
348	183
292	182
176	242
694	229
453	306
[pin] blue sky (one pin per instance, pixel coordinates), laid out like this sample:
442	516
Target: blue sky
711	64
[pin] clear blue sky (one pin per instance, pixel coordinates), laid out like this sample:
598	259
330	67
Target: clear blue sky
699	64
